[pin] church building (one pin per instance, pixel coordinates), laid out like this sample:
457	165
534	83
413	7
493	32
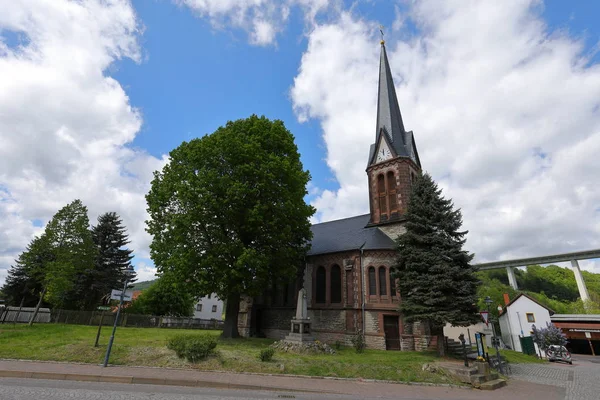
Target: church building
347	269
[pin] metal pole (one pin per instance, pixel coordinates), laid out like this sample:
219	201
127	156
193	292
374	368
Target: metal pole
99	329
494	339
112	337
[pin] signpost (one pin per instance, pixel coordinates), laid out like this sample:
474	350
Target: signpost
100	308
128	272
116	295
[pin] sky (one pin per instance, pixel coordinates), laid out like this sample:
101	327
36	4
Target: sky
503	99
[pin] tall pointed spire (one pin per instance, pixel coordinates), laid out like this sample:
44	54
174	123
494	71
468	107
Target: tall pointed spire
389	119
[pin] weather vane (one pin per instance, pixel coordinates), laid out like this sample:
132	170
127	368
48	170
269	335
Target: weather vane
381	30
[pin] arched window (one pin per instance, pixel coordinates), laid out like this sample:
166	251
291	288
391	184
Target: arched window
393	290
372	282
335	281
391	181
382	282
321	285
382	194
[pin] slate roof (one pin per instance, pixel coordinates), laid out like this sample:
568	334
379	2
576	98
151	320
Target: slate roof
389	118
348	234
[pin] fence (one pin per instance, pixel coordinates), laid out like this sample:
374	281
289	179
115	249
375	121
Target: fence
13	314
45	315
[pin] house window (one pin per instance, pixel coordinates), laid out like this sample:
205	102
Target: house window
335	282
321	285
382	194
392	285
382	282
530	317
391	181
198	307
372	282
214	309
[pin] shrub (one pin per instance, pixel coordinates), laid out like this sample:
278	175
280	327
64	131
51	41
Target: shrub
177	344
192	347
266	354
358	341
338	345
199	347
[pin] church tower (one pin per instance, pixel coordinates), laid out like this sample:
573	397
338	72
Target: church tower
393	159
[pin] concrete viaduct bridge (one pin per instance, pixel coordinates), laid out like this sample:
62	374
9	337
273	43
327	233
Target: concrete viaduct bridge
510	265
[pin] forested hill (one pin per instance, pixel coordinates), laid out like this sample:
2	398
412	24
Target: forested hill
143	285
552	286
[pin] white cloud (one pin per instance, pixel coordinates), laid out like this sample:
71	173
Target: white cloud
505	115
145	271
261	19
65	123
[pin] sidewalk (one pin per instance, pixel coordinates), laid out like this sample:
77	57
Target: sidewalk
181	377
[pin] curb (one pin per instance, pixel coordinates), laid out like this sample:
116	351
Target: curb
222	385
147	381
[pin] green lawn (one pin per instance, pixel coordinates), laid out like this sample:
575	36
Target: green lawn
147	347
514	357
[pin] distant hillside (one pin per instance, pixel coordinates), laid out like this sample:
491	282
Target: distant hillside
143	285
552	286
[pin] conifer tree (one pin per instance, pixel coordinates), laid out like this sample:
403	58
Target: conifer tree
111	260
436	281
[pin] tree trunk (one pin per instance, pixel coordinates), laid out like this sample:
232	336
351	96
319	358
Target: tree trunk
230	327
19	311
438	332
37	307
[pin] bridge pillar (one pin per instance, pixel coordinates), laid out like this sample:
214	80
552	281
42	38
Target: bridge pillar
512	279
583	292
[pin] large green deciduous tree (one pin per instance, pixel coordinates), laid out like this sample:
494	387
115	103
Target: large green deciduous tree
164	297
437	283
71	242
228	215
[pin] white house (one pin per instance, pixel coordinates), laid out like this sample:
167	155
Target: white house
209	307
518	317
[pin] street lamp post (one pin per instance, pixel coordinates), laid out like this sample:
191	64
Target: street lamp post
495	340
461	337
128	272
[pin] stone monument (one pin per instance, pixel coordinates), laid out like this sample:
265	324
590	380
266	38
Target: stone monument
300	330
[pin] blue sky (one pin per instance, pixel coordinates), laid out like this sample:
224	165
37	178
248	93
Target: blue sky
188	68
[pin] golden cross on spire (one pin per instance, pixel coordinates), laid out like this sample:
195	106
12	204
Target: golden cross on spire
381	30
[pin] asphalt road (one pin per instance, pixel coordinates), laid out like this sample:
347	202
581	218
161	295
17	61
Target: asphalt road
34	389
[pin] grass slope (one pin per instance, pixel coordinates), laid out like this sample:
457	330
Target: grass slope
147	347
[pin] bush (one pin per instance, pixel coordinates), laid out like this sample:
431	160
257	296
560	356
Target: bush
266	354
338	345
177	344
358	341
192	347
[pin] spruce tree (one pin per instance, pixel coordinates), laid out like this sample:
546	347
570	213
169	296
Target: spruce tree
112	259
436	281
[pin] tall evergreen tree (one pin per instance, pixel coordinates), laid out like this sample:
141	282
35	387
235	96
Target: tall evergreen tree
25	279
111	260
436	281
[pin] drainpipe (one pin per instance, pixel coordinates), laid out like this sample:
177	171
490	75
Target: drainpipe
362	287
